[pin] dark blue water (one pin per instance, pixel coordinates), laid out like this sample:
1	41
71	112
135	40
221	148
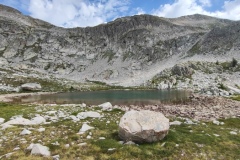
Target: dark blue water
116	97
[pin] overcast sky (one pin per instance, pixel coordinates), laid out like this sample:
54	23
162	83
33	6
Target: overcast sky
82	13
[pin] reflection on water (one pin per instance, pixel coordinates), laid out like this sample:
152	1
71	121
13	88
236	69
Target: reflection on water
116	97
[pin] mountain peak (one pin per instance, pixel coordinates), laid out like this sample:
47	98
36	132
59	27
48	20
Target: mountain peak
8	9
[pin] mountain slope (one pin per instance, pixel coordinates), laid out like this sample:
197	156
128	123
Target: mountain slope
128	51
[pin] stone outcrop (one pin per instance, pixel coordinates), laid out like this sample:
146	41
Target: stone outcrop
143	126
31	87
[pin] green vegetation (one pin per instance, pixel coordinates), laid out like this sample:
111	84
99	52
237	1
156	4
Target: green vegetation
236	97
109	54
183	142
223	87
234	62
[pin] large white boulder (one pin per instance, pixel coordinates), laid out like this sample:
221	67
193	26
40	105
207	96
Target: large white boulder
31	87
106	106
38	149
143	126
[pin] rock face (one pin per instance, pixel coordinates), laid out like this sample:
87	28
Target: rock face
31	87
143	126
127	51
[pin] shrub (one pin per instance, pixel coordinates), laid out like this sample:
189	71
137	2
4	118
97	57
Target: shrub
234	62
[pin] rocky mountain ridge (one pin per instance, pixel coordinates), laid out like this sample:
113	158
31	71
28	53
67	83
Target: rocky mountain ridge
128	51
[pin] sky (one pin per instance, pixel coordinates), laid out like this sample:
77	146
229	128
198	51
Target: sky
82	13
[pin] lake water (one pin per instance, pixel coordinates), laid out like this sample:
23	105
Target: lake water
116	97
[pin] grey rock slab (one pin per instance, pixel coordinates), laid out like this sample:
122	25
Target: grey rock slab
177	123
143	126
85	128
106	106
25	132
91	114
38	149
38	120
31	87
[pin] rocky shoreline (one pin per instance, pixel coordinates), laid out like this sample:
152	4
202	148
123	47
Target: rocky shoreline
198	107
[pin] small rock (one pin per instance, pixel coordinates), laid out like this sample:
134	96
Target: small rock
67	145
188	121
233	133
82	144
130	143
38	149
111	149
89	137
106	106
31	87
91	114
177	123
162	145
2	120
38	120
25	132
55	144
41	130
102	138
216	122
85	128
16	149
56	157
216	135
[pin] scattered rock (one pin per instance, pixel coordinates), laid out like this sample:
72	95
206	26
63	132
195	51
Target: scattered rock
56	157
31	87
177	123
18	120
38	120
38	149
217	122
25	132
216	135
85	128
106	106
111	149
67	145
90	114
41	130
129	143
2	120
102	138
143	126
82	144
233	133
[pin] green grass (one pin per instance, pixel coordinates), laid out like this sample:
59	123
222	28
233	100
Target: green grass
182	142
237	97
